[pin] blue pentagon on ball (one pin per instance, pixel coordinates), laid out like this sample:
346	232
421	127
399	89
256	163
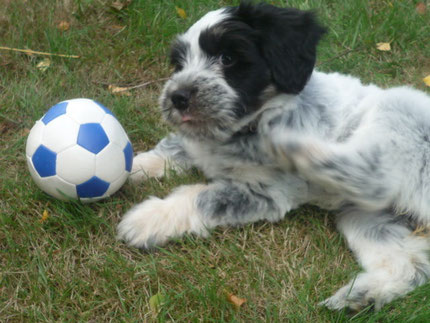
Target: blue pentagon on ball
92	137
94	187
55	111
128	155
79	150
44	160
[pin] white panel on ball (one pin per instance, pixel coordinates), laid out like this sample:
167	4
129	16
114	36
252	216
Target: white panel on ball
85	111
114	186
53	185
35	139
114	131
110	163
58	188
76	165
60	133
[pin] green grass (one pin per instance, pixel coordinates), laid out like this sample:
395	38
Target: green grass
71	268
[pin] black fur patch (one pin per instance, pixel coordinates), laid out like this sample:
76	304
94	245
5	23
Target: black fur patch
178	53
233	202
247	72
286	39
265	45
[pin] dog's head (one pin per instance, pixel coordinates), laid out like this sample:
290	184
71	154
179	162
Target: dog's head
232	60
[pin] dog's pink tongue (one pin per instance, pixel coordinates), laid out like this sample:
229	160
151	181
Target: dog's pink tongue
186	117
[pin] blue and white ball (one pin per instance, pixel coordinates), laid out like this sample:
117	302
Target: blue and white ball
79	150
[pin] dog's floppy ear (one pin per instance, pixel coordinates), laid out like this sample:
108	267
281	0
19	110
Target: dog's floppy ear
287	40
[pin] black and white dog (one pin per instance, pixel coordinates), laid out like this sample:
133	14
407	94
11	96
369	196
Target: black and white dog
272	134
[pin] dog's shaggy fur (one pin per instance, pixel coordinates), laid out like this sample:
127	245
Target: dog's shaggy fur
272	134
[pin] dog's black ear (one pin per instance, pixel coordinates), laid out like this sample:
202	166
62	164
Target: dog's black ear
287	40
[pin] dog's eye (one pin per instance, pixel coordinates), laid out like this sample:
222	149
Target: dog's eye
227	60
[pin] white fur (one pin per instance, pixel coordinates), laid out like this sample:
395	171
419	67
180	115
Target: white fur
155	221
151	164
147	164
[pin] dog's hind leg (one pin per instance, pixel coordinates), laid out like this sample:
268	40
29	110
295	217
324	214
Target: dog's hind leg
394	259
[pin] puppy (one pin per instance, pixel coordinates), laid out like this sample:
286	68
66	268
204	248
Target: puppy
271	134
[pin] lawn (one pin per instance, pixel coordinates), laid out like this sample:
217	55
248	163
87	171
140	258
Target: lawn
61	262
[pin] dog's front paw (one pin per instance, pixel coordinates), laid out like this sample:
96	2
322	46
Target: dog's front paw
147	164
155	221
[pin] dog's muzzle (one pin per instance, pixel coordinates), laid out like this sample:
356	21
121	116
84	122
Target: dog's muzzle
181	98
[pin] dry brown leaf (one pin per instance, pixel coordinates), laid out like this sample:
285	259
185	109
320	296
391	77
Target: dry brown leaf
236	301
181	13
119	5
116	28
385	47
427	80
63	25
117	90
421	8
44	64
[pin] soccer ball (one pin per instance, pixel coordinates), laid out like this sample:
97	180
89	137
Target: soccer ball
79	150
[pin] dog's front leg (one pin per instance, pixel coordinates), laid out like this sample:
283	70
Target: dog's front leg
196	209
168	154
154	221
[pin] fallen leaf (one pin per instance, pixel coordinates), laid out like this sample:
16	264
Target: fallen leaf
156	301
181	13
427	80
233	299
421	8
44	64
119	5
116	28
45	216
385	47
63	26
117	90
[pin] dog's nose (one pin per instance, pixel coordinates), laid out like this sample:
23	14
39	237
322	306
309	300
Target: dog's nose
181	98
